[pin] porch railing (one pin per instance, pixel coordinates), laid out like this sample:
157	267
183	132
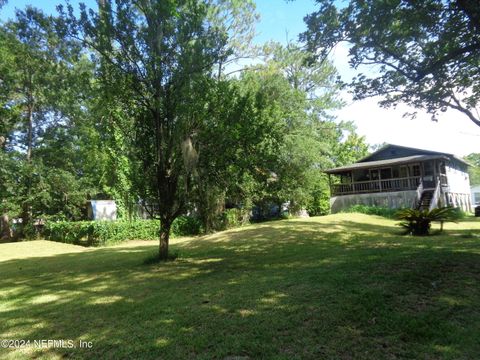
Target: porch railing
386	185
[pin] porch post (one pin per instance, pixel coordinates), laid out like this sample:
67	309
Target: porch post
380	180
353	181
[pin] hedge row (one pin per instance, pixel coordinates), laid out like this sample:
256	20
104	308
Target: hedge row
104	233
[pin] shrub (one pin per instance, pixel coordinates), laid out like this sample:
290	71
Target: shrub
103	233
30	231
373	210
419	222
231	218
319	204
186	225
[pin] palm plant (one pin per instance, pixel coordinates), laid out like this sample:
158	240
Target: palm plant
419	222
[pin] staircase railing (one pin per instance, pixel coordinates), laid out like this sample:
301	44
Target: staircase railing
419	194
436	195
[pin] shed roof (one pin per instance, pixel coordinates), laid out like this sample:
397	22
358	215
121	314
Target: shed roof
388	162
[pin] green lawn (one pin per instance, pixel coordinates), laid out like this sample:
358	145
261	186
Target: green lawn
344	286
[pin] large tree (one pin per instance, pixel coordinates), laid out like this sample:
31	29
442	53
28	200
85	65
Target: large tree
155	63
300	137
54	151
32	79
424	53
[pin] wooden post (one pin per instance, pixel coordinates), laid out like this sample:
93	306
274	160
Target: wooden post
352	179
379	179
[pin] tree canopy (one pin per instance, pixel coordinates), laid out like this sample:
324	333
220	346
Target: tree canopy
134	101
423	53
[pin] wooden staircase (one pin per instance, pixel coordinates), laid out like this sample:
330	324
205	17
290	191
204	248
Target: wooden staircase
425	200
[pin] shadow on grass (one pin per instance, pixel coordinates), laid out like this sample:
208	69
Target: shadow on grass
280	290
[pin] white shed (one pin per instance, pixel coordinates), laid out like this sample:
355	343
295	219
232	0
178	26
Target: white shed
102	210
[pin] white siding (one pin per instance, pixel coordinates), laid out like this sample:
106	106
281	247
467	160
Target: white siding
458	180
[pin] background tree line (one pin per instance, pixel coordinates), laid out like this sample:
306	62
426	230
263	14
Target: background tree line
133	102
136	101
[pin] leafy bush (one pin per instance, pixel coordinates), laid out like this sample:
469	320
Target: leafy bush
419	222
186	225
373	210
231	218
29	231
103	233
319	204
67	232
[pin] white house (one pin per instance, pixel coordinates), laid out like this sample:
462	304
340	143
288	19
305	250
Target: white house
399	177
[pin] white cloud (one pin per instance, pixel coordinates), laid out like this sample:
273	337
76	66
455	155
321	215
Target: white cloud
453	133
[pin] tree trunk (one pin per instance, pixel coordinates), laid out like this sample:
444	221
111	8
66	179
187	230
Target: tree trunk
165	226
26	207
5	230
30	132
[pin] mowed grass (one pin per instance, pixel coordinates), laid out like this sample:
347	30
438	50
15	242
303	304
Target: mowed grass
344	286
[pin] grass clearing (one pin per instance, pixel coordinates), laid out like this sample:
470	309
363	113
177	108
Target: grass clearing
343	286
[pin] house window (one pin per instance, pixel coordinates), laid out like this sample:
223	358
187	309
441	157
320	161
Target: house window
428	168
416	170
443	169
403	171
476	198
386	173
395	172
360	175
374	174
346	178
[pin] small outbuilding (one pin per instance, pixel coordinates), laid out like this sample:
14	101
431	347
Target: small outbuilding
102	210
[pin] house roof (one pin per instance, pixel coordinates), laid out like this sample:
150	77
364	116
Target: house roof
421	156
382	163
420	151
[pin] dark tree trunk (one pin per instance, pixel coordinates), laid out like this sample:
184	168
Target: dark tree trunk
26	206
165	226
5	230
30	133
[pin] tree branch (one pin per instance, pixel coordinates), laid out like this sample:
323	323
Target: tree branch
431	68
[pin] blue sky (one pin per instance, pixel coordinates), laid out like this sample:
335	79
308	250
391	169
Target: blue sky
278	17
8	10
282	20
